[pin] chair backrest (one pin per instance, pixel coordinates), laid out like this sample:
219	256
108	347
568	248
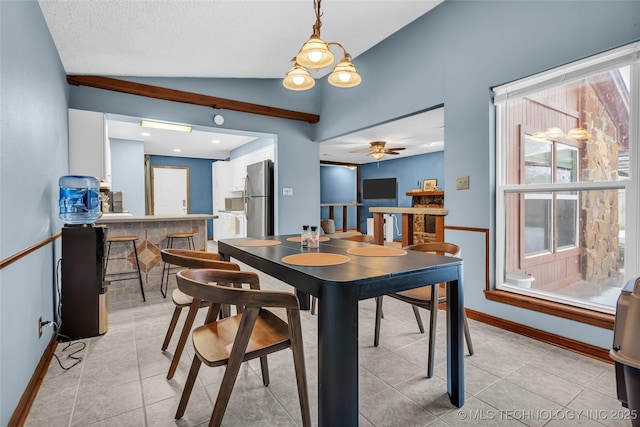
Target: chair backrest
225	287
196	259
439	248
365	238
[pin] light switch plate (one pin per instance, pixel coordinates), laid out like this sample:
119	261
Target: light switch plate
462	183
287	191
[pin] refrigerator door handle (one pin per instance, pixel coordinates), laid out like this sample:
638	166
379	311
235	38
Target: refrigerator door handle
246	195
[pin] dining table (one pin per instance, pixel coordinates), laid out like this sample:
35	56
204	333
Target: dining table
340	273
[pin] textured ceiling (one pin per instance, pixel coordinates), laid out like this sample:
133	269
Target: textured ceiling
214	38
224	38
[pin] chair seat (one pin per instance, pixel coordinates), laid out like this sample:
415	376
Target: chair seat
180	235
122	239
181	299
420	296
213	342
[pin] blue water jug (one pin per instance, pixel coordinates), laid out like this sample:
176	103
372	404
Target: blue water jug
79	203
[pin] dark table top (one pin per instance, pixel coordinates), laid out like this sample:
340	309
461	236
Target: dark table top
373	276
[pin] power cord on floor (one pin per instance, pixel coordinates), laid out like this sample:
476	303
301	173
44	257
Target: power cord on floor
61	338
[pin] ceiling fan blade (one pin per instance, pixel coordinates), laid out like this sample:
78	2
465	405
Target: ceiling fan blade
396	149
390	152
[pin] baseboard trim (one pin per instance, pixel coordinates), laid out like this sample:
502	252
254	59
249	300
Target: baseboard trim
589	350
21	412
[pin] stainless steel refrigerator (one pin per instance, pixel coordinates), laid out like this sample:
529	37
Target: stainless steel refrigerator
259	199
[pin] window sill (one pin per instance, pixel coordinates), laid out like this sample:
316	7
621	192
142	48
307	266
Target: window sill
582	315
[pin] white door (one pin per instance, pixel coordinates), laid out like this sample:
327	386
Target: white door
170	190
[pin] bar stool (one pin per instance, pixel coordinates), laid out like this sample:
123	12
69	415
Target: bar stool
188	236
167	268
124	239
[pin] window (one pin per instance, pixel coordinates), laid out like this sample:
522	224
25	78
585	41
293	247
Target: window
566	152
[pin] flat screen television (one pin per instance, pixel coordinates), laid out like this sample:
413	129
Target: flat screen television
380	188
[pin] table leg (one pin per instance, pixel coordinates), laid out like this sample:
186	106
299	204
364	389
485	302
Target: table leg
455	345
338	356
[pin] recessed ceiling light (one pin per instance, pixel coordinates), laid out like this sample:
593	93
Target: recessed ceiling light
177	150
145	134
215	141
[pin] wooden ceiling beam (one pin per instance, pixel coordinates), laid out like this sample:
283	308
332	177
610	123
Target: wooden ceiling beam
174	95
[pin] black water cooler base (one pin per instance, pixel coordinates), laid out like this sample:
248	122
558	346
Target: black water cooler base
84	304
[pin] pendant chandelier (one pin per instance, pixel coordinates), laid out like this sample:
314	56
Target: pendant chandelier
315	53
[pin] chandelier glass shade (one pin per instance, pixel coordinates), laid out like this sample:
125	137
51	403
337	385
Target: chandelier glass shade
345	74
315	53
298	78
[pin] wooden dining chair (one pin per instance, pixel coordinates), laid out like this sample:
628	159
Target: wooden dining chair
364	238
187	259
254	333
424	297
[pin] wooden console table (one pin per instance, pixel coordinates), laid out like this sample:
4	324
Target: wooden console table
344	212
407	222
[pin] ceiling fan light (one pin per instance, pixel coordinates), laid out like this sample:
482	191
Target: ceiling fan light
315	54
345	75
377	155
298	78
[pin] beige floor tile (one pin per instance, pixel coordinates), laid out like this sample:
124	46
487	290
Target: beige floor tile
121	380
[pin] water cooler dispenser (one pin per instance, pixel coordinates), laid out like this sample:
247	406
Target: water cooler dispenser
83	299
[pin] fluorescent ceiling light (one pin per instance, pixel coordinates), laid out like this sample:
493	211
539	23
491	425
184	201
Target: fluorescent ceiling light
177	150
165	126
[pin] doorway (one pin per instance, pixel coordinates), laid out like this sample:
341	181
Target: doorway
170	186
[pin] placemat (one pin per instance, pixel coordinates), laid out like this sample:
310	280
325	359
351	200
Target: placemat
257	243
315	259
376	250
298	239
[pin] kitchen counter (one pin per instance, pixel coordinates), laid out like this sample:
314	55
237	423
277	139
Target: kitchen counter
152	231
123	217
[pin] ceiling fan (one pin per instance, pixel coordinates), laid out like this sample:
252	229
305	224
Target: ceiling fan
377	151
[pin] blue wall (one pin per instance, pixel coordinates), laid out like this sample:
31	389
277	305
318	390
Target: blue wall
338	185
127	173
452	56
296	153
200	188
408	171
34	146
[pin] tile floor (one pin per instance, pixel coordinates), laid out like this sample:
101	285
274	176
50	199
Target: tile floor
510	380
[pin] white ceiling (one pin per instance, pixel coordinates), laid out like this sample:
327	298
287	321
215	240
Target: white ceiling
217	38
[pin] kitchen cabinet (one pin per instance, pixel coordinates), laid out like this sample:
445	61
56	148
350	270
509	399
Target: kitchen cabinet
221	185
89	149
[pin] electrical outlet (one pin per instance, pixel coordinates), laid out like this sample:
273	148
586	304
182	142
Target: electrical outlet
39	326
287	192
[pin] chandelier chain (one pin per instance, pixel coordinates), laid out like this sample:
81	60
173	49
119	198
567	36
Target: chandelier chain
318	24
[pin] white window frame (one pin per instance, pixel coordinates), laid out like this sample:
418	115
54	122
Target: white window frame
626	55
